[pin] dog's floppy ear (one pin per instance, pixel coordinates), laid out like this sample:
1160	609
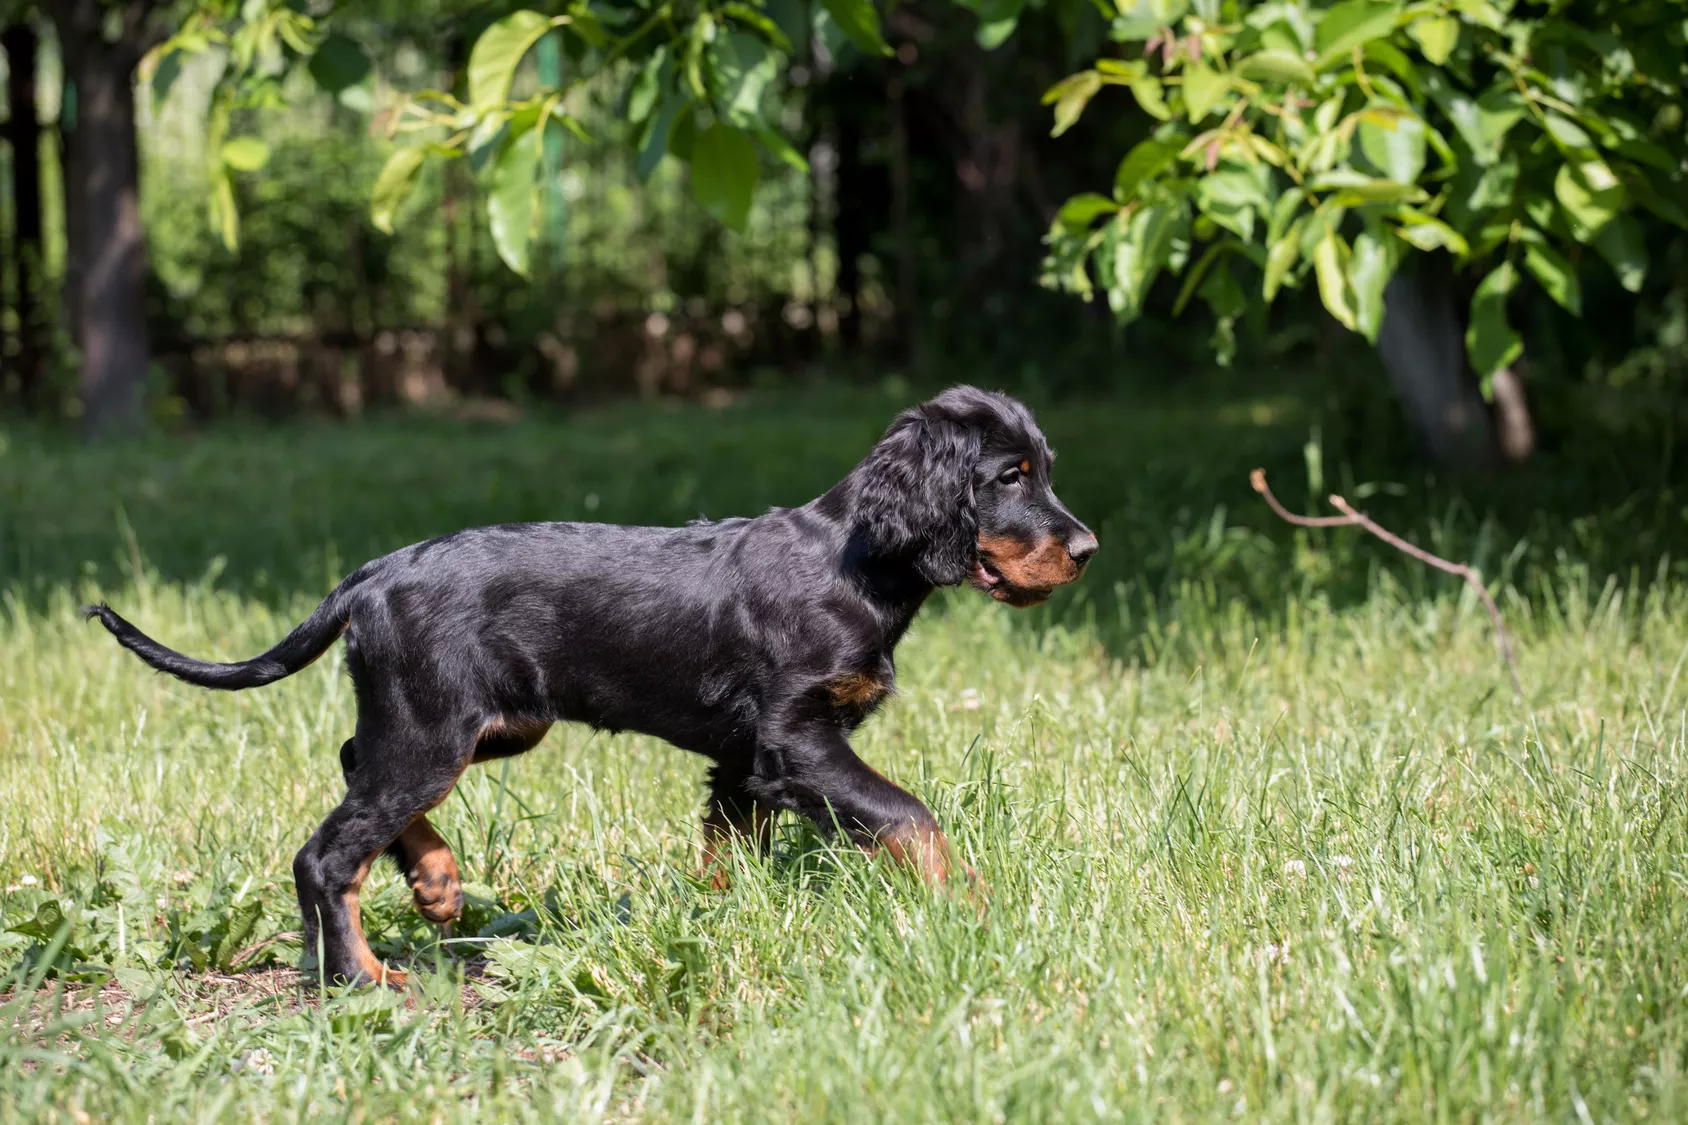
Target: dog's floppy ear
916	496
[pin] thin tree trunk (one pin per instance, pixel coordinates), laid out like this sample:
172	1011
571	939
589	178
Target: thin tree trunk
70	186
1422	344
105	167
20	43
907	265
848	229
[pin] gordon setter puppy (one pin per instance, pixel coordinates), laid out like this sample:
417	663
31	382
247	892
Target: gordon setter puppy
759	643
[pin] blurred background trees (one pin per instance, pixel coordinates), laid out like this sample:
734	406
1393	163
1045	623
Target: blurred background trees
271	207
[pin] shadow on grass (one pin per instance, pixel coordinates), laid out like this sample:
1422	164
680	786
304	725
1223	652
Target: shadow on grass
278	513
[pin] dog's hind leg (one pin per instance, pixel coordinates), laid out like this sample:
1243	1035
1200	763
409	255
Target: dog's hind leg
733	816
436	886
422	857
329	871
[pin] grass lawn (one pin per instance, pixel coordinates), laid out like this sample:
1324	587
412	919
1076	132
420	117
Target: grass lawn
1268	835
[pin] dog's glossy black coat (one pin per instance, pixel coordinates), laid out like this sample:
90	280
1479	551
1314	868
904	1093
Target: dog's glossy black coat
760	643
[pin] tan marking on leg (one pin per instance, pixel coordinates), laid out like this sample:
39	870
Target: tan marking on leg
501	727
856	689
720	832
436	885
365	957
926	851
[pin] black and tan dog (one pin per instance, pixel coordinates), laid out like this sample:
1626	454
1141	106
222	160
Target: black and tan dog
759	643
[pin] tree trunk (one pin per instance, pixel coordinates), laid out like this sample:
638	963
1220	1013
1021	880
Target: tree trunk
103	206
849	228
20	43
907	266
1422	344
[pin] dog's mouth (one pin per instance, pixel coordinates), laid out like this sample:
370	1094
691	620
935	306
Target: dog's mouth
987	579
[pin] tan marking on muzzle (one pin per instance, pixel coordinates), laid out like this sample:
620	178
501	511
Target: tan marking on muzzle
1030	566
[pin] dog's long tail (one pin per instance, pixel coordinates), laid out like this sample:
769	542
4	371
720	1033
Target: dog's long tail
304	644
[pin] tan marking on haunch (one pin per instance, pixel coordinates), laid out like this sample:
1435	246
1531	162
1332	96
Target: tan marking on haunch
436	885
368	963
856	689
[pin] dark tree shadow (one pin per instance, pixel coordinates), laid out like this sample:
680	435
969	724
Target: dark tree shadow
279	513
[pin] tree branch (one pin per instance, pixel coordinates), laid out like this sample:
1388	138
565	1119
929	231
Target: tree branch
1351	518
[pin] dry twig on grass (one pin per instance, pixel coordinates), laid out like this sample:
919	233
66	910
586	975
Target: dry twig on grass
1351	518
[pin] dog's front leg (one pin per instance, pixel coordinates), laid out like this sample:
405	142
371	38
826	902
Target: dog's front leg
822	778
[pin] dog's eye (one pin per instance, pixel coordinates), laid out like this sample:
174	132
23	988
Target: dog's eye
1010	475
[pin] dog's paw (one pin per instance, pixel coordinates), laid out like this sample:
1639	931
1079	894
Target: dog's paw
438	896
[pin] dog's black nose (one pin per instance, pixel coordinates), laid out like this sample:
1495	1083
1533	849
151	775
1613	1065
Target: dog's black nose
1081	545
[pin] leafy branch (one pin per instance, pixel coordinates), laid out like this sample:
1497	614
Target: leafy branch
1517	138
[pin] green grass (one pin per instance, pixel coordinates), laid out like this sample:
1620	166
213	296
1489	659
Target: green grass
1267	834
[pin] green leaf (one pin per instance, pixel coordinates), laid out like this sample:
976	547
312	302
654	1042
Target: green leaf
1483	12
1281	258
793	19
781	149
992	35
1378	191
1431	234
1624	246
659	132
1330	268
1483	124
1369	270
1144	162
1075	94
1203	88
724	172
771	29
339	64
1081	211
1231	199
512	198
648	86
859	21
397	177
1490	341
743	69
1152	97
1277	67
164	77
1194	275
243	919
1285	209
1556	275
1394	143
497	53
225	216
44	926
1567	133
1139	19
1137	253
1352	24
1437	36
1641	186
245	154
1591	196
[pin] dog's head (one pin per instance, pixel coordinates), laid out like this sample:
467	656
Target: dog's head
960	485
